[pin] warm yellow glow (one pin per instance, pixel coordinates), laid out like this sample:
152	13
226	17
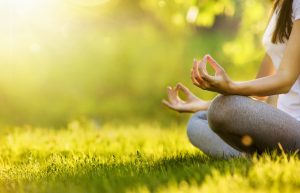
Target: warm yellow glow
22	21
27	25
89	2
161	3
192	14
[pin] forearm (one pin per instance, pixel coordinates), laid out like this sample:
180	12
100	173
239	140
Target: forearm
208	103
286	75
265	86
201	106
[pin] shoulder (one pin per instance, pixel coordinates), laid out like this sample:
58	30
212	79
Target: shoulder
296	9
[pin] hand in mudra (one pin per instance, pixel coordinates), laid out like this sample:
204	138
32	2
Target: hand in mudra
190	104
220	82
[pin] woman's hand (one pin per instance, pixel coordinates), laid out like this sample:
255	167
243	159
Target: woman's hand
191	103
220	82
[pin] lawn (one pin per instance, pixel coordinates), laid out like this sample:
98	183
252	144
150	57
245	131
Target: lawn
124	159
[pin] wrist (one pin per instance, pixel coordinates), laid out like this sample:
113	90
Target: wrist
202	106
233	87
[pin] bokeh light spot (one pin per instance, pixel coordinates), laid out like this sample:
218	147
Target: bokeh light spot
192	14
161	3
247	140
178	19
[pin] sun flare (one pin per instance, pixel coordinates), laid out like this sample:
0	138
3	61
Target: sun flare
27	24
89	2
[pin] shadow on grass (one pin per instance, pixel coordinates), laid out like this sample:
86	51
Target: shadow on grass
90	175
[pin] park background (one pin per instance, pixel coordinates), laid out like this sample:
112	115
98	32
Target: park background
110	61
81	85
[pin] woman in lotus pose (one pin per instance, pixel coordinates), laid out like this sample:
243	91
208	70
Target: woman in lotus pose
238	120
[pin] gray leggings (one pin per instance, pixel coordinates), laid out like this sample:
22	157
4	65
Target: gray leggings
236	124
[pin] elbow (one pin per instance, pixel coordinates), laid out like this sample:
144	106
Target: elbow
286	87
285	81
285	90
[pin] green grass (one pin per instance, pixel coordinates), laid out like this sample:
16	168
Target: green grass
124	159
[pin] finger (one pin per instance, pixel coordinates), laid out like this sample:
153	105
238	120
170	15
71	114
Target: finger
176	93
196	73
213	63
170	95
194	80
176	89
202	63
200	85
205	86
180	87
168	104
203	72
183	88
201	79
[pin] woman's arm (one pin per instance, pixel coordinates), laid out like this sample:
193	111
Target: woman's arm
266	69
281	82
287	74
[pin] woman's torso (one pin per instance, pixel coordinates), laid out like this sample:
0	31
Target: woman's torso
289	102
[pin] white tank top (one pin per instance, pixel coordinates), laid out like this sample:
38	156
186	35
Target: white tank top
289	102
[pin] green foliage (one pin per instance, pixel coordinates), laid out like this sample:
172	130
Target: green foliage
86	158
246	50
183	12
113	61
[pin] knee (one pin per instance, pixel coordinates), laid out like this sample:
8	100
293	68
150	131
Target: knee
195	124
224	109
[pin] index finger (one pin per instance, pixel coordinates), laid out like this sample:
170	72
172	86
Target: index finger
213	63
196	72
203	72
183	88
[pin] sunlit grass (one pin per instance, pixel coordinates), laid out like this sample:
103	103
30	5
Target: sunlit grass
88	158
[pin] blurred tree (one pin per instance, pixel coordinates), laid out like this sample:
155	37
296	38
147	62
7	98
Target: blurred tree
184	12
113	61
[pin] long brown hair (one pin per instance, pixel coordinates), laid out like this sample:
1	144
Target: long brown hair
284	24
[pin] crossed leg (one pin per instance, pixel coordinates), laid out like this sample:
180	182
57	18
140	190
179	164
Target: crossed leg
235	124
235	118
202	137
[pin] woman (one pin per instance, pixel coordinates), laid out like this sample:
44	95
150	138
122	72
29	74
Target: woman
234	122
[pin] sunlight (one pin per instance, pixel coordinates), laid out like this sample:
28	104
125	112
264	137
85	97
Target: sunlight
27	23
22	22
192	14
89	2
28	7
